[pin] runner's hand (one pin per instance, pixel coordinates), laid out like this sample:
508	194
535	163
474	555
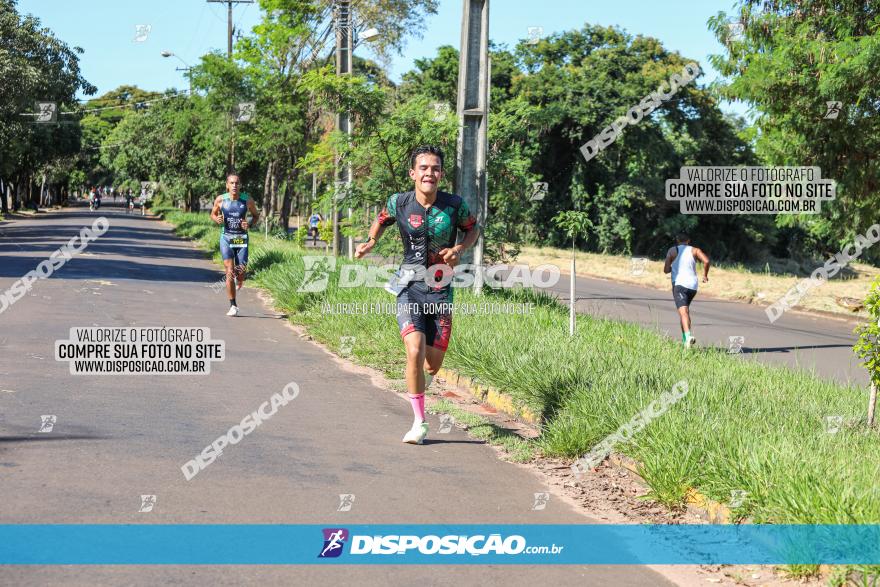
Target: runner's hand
362	249
705	279
450	256
244	224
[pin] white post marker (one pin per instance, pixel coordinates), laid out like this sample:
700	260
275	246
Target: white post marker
872	404
571	299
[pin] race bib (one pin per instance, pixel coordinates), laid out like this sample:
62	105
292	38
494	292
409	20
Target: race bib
238	242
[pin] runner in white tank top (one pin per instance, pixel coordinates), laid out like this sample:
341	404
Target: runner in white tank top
681	261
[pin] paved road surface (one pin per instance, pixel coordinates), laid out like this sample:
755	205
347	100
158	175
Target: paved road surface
117	438
796	340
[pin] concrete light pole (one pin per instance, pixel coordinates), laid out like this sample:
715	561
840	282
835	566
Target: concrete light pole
473	119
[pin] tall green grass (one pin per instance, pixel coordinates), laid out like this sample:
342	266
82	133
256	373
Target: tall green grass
743	425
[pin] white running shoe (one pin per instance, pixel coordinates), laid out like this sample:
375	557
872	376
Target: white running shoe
233	311
417	434
690	343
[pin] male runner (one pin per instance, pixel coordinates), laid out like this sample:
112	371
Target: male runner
681	262
230	211
314	219
429	221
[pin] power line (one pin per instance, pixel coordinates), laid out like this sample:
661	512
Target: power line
229	27
115	107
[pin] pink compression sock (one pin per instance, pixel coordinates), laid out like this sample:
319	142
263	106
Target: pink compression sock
418	406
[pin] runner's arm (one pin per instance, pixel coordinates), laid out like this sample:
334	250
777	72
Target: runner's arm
383	221
376	230
671	254
216	216
466	223
704	259
255	214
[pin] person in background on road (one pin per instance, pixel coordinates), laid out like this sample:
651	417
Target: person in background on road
429	221
129	202
230	211
681	261
314	219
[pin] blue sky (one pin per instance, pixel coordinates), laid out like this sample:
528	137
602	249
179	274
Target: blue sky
105	29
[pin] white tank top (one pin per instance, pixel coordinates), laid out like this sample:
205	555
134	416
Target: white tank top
684	268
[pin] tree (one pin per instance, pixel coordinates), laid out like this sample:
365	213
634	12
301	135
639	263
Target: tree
791	60
868	346
578	82
43	69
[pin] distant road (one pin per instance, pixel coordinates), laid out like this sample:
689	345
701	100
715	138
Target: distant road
797	340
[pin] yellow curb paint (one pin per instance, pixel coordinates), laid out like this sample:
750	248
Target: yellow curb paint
715	512
498	400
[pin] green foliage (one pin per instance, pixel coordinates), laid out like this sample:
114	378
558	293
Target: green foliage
868	346
577	83
36	66
573	223
793	58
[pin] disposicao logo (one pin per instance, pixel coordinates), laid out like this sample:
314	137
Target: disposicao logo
334	540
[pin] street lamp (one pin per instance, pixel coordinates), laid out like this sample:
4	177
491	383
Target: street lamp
371	34
187	69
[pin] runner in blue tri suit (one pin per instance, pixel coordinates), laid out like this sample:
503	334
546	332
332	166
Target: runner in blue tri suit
230	211
429	221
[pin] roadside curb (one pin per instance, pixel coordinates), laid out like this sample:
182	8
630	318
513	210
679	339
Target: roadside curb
697	504
494	398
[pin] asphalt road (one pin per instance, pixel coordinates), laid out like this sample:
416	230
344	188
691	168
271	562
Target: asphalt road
802	341
118	437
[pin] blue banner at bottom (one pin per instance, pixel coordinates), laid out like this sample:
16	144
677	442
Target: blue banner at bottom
247	544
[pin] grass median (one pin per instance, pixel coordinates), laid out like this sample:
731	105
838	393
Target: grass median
742	427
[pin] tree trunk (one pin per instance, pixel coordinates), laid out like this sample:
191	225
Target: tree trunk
267	185
41	201
872	404
18	193
284	217
195	204
4	204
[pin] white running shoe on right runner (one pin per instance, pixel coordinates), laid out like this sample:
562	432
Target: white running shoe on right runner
233	311
417	434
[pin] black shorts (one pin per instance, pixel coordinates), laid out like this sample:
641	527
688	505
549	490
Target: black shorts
682	295
416	314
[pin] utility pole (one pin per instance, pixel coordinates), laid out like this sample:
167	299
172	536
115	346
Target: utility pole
344	48
473	119
229	4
